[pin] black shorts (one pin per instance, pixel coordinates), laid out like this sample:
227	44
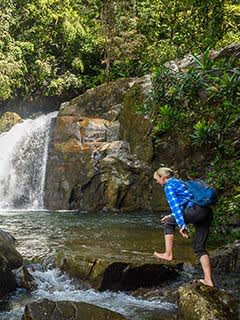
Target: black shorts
201	218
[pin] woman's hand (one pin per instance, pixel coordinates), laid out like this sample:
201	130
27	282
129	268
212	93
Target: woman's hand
184	233
165	218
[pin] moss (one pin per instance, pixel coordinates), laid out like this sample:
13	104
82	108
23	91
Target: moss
205	303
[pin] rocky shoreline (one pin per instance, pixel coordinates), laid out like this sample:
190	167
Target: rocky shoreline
208	302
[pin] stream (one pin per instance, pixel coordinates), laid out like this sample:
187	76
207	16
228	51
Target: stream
125	237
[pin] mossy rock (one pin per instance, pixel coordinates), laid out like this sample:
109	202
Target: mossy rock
199	302
135	128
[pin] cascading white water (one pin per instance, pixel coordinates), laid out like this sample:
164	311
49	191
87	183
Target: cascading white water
23	160
56	286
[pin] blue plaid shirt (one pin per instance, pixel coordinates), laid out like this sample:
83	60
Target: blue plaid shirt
178	198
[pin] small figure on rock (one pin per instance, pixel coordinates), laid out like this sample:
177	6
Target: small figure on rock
184	211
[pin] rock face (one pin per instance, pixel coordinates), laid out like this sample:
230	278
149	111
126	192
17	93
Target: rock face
100	150
205	303
8	120
62	310
9	259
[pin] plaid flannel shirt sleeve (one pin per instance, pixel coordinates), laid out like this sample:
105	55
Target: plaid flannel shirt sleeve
175	206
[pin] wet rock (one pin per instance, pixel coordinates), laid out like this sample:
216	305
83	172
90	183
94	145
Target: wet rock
9	253
24	279
32	267
9	259
198	302
62	310
124	277
104	274
7	237
8	120
226	259
7	278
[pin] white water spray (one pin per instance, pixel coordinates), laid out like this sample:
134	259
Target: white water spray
56	286
23	161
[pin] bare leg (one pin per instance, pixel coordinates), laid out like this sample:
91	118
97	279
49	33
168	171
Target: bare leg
206	266
168	254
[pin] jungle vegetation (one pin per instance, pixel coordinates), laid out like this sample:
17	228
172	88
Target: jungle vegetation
54	47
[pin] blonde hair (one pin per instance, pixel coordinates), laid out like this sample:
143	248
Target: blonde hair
163	172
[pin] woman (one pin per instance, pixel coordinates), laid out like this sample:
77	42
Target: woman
184	211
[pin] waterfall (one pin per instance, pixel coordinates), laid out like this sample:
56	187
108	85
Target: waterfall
23	160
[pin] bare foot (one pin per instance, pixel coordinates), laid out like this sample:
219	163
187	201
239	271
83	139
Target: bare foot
204	282
164	256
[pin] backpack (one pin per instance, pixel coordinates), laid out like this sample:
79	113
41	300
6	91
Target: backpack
203	194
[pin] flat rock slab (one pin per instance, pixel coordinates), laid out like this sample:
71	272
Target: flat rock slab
63	310
107	274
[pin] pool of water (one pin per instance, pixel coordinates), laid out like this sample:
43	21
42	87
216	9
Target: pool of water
138	234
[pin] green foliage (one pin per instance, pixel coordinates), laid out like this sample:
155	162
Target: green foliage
61	39
205	99
231	25
226	175
11	53
55	47
204	132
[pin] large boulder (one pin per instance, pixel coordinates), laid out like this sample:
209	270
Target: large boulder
95	160
199	302
8	120
10	259
63	310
